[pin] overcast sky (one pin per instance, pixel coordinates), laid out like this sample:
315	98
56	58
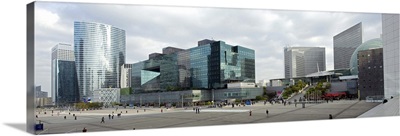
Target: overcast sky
151	28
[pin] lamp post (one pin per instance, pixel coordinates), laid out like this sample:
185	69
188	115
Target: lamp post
212	90
159	101
182	100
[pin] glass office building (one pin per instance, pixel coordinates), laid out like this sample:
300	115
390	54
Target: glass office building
301	61
344	44
64	85
99	55
210	65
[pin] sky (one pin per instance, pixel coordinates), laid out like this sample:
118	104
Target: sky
151	28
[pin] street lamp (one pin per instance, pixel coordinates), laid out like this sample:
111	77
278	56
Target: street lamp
159	101
212	97
182	100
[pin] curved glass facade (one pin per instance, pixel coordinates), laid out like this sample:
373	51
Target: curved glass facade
99	55
373	43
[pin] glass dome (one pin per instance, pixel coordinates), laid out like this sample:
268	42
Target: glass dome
370	44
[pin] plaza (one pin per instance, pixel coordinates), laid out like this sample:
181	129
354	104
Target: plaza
151	118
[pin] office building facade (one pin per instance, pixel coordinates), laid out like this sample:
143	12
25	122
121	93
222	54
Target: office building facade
64	85
370	75
391	59
344	44
210	65
126	75
99	54
301	61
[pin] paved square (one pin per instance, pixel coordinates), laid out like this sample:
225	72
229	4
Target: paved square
177	117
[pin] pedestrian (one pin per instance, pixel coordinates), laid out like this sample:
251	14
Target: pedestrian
161	110
109	116
250	113
137	111
144	110
330	116
199	109
69	113
36	116
112	117
102	120
75	117
126	111
65	117
84	129
266	112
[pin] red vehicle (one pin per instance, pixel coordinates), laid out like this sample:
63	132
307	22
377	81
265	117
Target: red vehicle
335	95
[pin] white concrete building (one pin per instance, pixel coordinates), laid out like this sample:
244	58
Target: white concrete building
391	60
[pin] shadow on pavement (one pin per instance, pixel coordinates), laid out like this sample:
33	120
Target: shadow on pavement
19	126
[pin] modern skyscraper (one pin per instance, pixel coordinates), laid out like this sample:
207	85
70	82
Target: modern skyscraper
344	45
99	55
301	61
64	84
370	75
391	59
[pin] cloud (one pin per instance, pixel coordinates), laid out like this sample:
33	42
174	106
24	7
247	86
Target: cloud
151	28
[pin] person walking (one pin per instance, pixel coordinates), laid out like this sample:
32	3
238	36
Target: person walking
330	116
112	117
266	112
65	117
250	113
102	120
75	117
109	116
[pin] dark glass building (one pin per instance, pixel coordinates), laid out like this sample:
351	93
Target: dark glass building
370	73
64	80
210	65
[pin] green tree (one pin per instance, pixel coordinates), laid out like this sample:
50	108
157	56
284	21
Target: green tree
259	98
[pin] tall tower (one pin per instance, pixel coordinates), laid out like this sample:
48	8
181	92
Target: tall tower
344	45
301	61
64	85
391	51
99	55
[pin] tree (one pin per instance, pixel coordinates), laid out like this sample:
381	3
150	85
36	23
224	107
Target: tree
259	98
